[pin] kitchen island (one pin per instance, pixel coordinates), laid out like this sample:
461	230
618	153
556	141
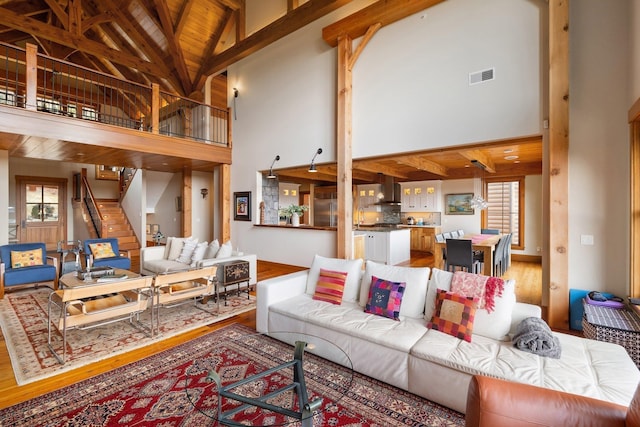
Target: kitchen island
423	237
389	245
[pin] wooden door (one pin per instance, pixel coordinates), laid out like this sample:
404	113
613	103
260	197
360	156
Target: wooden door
41	209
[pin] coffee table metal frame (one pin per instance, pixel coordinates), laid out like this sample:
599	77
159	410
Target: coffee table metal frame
299	385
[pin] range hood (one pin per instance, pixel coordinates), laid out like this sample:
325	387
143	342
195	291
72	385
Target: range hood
392	194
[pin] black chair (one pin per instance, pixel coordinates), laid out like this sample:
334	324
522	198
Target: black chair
460	254
489	231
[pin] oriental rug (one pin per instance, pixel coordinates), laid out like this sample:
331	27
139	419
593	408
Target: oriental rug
153	391
23	318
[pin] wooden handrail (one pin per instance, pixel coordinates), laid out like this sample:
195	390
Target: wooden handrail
92	206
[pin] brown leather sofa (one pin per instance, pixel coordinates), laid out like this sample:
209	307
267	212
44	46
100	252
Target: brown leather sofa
495	403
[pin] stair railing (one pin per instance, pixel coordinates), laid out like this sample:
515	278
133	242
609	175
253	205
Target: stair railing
126	177
92	207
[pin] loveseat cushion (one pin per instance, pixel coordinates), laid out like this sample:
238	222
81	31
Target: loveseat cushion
494	325
416	280
351	267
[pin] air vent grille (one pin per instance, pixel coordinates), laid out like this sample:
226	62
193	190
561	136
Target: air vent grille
482	76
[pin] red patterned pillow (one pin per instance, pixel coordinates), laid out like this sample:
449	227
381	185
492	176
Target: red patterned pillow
454	315
330	286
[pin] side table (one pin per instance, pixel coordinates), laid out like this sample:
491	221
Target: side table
618	326
232	273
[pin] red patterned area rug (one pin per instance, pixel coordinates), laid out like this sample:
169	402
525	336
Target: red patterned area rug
153	391
23	318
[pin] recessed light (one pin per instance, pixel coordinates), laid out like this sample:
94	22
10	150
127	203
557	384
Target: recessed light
510	157
508	150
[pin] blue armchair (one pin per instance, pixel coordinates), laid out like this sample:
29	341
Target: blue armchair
97	254
29	265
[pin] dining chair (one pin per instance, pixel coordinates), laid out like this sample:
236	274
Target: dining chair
447	235
489	231
460	254
460	232
454	234
498	257
506	252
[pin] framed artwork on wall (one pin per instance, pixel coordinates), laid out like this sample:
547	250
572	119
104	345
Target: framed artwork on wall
242	206
458	204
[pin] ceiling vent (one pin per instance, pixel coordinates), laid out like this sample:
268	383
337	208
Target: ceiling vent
482	76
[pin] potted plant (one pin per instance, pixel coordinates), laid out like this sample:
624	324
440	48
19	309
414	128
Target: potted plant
294	212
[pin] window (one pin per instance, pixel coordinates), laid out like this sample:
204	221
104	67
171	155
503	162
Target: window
7	97
506	206
48	105
72	110
89	113
42	203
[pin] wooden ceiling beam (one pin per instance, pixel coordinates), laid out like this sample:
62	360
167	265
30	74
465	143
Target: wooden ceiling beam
212	48
384	12
182	17
65	38
296	19
175	49
59	12
481	157
378	167
424	164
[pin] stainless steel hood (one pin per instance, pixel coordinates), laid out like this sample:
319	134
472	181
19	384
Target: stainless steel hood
392	194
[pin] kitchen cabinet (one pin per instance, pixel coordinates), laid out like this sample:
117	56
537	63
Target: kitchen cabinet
423	238
388	247
421	196
368	197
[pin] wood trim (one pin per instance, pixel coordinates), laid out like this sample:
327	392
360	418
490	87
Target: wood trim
558	164
634	231
383	12
187	203
225	203
634	112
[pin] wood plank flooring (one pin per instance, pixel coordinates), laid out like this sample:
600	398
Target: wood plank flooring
528	278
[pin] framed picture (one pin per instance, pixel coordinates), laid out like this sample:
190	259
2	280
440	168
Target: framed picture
458	204
242	205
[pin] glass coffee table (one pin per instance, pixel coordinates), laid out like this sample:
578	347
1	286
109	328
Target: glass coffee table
292	378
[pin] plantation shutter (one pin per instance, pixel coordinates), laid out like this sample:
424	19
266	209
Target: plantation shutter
503	212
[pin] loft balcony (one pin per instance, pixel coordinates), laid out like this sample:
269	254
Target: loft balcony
55	110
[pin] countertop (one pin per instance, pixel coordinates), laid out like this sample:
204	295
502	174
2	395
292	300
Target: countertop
419	226
378	229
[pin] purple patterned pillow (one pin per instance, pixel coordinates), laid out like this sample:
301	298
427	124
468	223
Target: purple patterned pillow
385	298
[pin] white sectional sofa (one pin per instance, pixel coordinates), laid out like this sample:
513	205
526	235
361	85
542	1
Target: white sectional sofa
427	362
161	259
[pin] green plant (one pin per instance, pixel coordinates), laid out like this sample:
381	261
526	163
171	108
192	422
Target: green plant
291	209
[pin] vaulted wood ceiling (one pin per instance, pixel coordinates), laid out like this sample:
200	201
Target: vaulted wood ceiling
178	43
175	43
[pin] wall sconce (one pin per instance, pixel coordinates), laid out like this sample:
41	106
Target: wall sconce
204	192
312	166
235	95
271	174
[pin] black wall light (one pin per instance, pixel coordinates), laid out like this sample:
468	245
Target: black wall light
271	174
312	166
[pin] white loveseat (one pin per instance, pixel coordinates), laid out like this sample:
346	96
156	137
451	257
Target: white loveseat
429	363
166	259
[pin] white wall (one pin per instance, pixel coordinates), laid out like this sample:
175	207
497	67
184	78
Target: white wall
134	205
4	189
634	48
410	92
599	145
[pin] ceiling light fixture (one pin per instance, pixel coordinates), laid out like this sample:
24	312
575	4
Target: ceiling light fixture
271	174
312	166
478	201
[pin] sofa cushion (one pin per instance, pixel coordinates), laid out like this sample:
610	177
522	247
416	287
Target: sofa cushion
494	325
416	281
101	250
159	266
26	258
330	286
187	250
454	315
198	253
212	250
353	269
385	298
225	251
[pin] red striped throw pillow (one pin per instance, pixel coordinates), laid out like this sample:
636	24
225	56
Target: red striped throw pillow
330	286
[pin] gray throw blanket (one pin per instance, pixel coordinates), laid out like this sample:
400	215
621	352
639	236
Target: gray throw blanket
534	336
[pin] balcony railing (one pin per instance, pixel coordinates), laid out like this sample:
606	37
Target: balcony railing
35	81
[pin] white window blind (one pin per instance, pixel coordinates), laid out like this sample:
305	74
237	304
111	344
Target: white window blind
503	212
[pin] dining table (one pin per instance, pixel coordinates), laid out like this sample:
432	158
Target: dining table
479	242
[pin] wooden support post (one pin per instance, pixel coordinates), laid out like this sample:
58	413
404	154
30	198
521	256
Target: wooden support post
31	95
225	202
155	108
187	202
557	256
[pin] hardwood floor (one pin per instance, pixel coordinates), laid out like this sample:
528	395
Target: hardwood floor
528	278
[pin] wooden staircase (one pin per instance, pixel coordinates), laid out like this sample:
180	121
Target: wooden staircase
116	224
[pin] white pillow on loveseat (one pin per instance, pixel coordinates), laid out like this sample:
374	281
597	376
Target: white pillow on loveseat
353	268
415	278
494	325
